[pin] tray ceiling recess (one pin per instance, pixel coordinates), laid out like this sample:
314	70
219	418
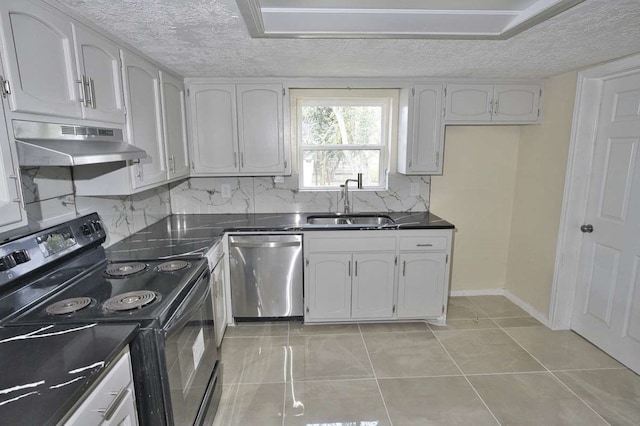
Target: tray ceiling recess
438	19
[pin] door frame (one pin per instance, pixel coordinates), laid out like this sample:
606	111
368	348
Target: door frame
574	201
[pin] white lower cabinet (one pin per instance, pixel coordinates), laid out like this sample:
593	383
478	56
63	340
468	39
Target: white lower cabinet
377	275
421	285
112	400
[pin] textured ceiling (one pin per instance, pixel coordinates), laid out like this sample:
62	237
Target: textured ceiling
207	38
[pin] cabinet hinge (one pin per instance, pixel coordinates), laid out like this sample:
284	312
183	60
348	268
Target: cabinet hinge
540	92
413	91
307	261
193	165
393	311
396	262
307	309
446	260
445	92
409	163
283	91
120	60
188	92
285	164
538	112
443	309
5	87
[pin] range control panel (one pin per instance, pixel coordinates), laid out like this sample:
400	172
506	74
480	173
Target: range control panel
30	252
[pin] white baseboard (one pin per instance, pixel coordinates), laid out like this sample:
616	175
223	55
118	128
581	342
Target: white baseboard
485	292
506	293
527	308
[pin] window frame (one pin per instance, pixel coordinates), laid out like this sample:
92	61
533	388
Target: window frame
385	98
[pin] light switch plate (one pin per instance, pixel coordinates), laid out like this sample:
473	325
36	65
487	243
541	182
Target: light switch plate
415	189
225	190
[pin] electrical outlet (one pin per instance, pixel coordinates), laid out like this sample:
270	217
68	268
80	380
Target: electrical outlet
415	189
225	190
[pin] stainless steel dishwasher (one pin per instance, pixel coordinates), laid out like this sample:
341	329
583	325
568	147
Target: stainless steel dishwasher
266	276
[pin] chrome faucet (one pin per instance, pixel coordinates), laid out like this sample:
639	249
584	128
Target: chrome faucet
345	192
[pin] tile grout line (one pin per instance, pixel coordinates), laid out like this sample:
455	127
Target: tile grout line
288	360
375	377
467	379
556	377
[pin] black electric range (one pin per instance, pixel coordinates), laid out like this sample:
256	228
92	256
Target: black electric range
61	275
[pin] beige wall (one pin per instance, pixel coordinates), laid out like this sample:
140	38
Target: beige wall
475	193
542	163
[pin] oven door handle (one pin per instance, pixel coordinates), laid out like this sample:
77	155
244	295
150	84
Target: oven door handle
198	295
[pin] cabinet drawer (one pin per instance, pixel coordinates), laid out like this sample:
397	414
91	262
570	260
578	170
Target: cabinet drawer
110	387
423	243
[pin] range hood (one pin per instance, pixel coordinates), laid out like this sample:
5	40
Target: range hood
51	144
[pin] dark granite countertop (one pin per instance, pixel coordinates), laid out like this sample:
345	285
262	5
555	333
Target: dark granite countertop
193	234
46	369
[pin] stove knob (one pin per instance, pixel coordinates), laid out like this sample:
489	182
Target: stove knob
7	263
86	229
97	226
21	256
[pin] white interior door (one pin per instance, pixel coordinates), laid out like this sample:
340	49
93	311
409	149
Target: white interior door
606	307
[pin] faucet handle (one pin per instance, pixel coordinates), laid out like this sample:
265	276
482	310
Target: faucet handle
359	180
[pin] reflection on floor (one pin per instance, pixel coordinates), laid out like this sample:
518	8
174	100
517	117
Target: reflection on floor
492	364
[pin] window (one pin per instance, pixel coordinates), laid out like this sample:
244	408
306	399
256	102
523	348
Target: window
341	133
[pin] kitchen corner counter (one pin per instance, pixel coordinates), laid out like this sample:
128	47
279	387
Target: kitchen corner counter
46	369
182	235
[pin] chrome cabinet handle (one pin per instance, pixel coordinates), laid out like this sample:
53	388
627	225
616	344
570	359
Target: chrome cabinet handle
92	94
404	267
242	159
111	409
490	107
83	87
356	268
19	196
349	268
424	245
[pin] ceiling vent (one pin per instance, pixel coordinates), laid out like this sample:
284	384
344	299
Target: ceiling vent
438	19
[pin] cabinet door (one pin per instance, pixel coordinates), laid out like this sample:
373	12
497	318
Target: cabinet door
260	128
219	301
40	60
214	134
329	286
516	102
98	62
421	285
373	285
174	125
144	122
425	147
469	102
12	214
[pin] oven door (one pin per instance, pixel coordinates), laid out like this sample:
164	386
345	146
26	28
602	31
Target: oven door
190	355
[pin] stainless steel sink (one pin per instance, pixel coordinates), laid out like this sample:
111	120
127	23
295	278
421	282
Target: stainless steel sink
346	220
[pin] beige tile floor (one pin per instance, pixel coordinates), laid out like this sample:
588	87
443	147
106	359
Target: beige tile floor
491	365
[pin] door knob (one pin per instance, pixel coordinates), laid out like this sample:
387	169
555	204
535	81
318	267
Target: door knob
587	228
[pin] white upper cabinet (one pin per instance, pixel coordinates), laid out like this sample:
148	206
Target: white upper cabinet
421	141
261	128
214	135
174	125
488	103
144	119
237	129
12	213
40	61
99	70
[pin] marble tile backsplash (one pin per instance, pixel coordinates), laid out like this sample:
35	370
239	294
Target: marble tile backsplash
49	199
263	195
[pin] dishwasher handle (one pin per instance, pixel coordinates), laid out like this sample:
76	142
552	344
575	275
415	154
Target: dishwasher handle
266	244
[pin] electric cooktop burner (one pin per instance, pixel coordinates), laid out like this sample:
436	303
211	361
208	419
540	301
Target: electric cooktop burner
130	300
68	306
172	266
121	270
